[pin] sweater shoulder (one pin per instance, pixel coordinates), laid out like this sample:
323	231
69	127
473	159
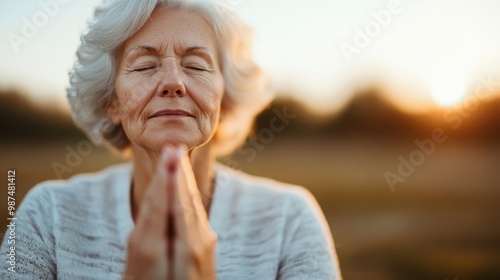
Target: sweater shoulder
96	187
264	189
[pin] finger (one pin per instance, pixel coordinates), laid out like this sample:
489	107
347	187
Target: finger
190	192
182	205
152	222
171	169
190	212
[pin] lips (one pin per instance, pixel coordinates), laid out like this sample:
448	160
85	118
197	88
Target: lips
172	113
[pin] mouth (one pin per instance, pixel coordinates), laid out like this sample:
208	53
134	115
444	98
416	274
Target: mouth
171	114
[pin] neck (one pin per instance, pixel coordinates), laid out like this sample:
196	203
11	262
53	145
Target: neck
202	161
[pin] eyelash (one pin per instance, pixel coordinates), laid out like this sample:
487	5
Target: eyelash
144	69
197	69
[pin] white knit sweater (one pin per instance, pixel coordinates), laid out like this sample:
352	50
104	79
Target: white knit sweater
78	229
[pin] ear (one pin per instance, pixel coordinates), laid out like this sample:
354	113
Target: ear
113	111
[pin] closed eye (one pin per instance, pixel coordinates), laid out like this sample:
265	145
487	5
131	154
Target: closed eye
144	68
197	68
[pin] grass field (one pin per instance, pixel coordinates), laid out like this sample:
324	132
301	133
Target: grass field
443	222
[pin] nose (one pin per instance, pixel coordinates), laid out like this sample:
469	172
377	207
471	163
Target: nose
171	84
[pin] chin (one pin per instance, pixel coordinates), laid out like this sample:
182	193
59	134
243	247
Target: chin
175	141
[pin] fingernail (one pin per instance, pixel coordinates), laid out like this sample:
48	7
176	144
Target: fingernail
171	167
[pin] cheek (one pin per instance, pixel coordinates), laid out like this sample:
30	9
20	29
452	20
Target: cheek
210	100
213	106
207	94
132	96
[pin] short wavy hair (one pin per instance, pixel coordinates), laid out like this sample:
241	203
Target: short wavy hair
93	75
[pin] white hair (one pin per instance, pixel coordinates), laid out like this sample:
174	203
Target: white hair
93	75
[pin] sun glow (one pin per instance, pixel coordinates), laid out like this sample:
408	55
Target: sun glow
448	87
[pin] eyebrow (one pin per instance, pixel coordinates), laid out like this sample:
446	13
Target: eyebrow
199	51
196	49
140	49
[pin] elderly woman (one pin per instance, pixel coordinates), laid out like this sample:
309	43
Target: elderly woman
171	84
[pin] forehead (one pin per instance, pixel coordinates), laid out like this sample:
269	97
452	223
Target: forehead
174	27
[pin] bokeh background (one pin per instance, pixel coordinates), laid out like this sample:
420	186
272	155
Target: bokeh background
365	81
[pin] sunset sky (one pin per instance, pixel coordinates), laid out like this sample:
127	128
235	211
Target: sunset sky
425	53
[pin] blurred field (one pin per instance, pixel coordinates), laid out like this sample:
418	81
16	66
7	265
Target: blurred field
443	222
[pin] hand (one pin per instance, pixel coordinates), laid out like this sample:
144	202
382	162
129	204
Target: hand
172	238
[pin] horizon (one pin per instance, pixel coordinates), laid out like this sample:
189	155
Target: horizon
323	55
